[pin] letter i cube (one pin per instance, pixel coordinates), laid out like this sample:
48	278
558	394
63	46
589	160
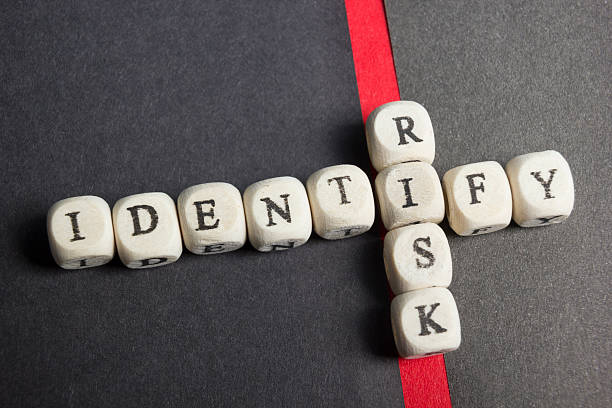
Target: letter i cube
409	193
80	231
147	230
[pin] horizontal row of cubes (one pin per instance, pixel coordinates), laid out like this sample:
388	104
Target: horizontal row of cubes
276	214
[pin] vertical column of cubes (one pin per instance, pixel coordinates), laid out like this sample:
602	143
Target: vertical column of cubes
417	256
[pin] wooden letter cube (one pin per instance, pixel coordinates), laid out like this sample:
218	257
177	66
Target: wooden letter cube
80	231
147	230
478	198
542	188
399	131
417	257
277	213
212	218
409	193
341	201
425	322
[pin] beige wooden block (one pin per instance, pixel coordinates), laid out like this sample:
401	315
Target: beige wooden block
398	132
147	230
80	231
417	257
409	193
341	201
542	188
277	214
212	218
425	322
478	198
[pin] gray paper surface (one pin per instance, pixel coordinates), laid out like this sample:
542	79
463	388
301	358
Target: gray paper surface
501	79
119	98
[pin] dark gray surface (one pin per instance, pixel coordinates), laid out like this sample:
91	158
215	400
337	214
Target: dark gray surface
501	79
120	98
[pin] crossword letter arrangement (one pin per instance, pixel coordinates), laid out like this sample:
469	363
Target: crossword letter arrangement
149	230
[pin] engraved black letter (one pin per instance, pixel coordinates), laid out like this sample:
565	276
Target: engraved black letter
214	248
405	131
201	224
423	252
549	220
280	247
147	262
479	230
473	188
338	180
75	227
545	184
134	212
409	202
271	205
426	320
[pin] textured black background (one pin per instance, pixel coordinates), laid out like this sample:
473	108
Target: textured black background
118	98
502	78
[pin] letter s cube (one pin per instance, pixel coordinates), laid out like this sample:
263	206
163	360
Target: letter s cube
147	230
80	231
417	257
425	322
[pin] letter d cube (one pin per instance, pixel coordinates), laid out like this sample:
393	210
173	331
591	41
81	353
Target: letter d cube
425	322
147	230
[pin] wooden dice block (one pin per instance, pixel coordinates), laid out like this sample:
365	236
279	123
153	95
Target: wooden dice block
147	230
409	193
399	131
417	257
478	198
542	188
212	218
341	201
277	214
425	322
80	231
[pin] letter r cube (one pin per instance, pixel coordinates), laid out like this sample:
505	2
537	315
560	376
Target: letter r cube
398	132
425	322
